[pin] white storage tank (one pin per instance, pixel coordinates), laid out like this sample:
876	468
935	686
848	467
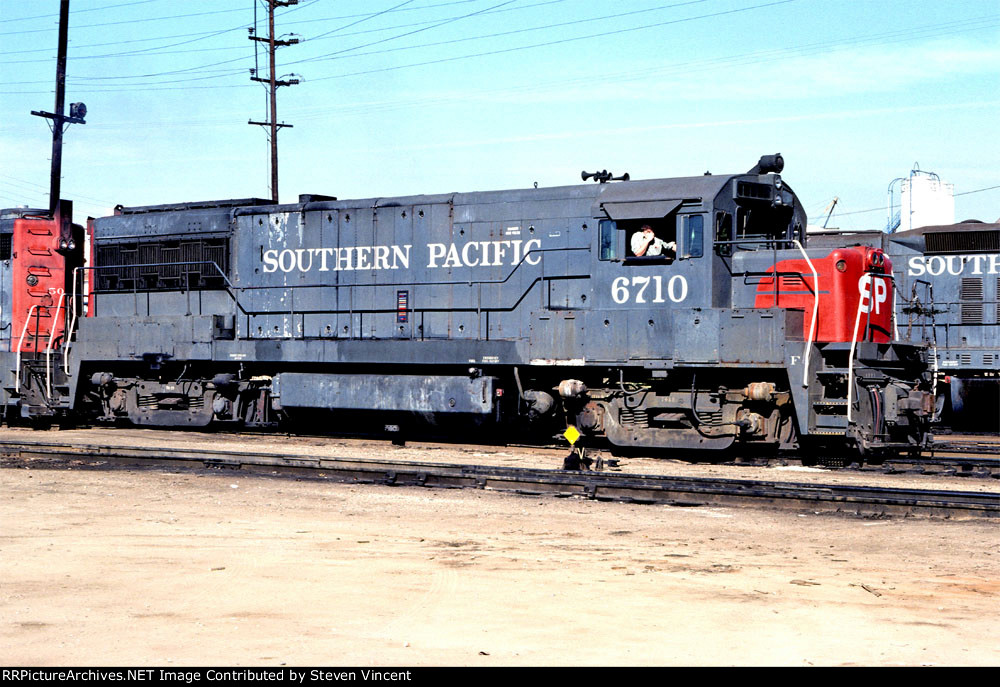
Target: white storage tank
925	200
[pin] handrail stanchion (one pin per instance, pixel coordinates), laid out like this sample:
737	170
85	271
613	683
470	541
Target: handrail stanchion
48	349
72	323
812	325
854	344
20	344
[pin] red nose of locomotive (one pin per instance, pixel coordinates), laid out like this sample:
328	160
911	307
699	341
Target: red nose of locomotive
855	294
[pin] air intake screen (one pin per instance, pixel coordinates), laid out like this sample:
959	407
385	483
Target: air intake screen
748	189
972	313
971	289
962	241
169	265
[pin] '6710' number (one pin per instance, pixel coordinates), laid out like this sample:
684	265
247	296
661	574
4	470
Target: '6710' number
637	289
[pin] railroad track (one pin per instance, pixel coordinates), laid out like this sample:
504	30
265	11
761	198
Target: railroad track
633	488
956	466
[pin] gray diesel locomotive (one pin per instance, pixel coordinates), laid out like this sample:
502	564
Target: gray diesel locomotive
948	296
660	314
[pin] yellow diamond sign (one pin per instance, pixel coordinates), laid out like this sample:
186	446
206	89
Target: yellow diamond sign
571	434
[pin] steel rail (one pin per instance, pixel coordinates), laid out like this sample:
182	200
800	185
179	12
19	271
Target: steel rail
972	447
967	466
634	488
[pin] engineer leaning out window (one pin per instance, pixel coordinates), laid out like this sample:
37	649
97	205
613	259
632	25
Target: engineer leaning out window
646	243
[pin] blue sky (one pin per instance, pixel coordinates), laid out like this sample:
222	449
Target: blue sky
432	96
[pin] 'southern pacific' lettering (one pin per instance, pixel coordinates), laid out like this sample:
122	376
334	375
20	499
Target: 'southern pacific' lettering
483	253
936	265
337	259
510	252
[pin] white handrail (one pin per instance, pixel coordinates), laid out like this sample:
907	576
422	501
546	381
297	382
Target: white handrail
48	348
20	344
72	325
934	379
812	325
854	343
895	320
854	340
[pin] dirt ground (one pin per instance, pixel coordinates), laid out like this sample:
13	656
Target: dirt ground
157	568
171	442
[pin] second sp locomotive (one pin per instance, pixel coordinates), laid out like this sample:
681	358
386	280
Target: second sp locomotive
948	296
524	310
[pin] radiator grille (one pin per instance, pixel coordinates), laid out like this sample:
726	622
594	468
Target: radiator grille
962	241
972	313
971	289
165	265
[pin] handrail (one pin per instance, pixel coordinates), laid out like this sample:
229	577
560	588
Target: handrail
20	344
895	320
812	325
934	381
854	338
756	241
69	332
48	348
854	343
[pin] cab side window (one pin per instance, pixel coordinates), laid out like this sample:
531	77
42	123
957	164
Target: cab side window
724	232
608	234
693	228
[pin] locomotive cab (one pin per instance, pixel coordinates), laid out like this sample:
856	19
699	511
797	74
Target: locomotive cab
750	337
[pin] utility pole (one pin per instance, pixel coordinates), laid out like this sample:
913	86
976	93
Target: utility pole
273	83
77	111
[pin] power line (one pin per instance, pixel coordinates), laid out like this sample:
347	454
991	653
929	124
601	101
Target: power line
203	36
240	59
978	190
243	26
958	26
882	209
337	54
129	21
162	49
632	75
92	9
410	33
442	23
556	42
363	19
29	187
